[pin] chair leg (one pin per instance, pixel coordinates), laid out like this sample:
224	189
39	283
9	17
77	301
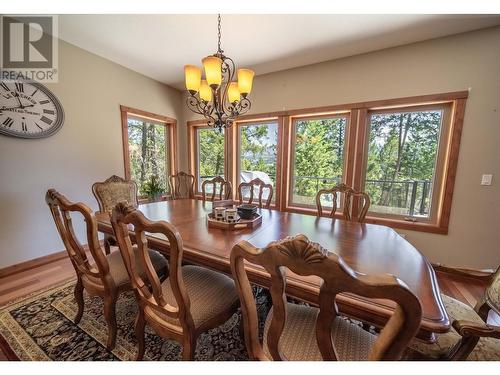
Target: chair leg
79	300
188	347
107	246
462	349
110	316
241	328
140	324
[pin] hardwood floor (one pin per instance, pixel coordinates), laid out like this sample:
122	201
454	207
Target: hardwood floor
467	290
29	281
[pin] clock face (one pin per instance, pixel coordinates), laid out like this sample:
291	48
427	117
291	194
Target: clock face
28	110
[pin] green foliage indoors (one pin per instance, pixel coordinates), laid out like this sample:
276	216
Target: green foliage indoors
152	188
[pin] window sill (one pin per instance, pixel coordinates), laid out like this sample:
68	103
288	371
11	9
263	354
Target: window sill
408	225
393	223
144	200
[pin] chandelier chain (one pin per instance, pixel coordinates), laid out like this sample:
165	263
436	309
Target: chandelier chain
219	34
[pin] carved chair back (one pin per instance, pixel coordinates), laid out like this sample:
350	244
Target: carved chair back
261	186
115	189
306	258
492	295
221	189
127	217
61	209
182	185
355	205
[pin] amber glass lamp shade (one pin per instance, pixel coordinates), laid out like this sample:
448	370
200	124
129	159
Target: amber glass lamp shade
193	78
213	70
233	93
205	91
245	80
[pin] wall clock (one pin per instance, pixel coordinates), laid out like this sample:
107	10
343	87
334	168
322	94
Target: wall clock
29	110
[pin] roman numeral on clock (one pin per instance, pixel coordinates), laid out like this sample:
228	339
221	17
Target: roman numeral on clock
24	126
44	102
4	86
19	87
46	120
8	122
48	111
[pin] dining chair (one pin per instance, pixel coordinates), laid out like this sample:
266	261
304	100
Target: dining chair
182	185
470	337
108	193
304	333
351	197
99	274
261	186
191	301
224	189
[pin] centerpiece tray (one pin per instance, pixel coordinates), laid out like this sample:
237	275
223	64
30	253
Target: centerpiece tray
241	223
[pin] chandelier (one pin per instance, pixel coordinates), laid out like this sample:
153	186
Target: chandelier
217	97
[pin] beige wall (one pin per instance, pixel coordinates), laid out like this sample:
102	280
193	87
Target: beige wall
88	148
469	60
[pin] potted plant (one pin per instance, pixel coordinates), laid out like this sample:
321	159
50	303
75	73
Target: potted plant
153	189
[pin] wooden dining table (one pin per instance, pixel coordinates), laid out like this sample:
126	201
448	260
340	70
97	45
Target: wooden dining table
366	248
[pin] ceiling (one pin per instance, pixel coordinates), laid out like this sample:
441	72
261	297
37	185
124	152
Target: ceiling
158	46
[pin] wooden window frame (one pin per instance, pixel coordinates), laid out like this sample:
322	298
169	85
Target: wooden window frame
437	181
171	128
235	152
346	169
356	151
192	128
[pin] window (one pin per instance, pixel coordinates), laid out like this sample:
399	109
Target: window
402	152
318	157
404	161
209	154
148	151
258	154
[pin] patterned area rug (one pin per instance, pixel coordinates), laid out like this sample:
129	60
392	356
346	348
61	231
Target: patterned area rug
41	327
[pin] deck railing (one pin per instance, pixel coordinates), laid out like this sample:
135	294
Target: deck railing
412	197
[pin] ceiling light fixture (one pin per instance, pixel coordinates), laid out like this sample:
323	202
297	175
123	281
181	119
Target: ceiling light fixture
217	97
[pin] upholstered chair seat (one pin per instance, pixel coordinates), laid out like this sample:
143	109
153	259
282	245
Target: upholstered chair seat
486	349
210	293
119	273
298	340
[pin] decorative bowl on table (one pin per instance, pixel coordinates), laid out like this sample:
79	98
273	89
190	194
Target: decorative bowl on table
247	211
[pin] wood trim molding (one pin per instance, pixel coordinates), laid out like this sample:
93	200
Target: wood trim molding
452	162
37	262
171	129
126	154
147	115
482	275
32	263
